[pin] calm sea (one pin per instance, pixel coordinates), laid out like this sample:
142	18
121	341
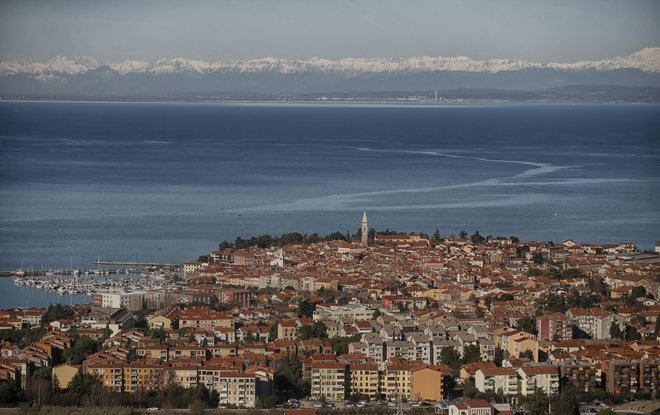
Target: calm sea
167	182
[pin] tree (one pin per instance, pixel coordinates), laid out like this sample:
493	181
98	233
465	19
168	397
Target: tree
451	358
306	308
83	347
527	324
58	312
637	292
436	236
471	354
470	389
340	344
499	356
9	393
312	331
528	354
476	238
462	234
288	379
272	333
538	258
537	403
566	403
632	334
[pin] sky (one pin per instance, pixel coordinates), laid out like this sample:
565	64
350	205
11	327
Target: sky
147	30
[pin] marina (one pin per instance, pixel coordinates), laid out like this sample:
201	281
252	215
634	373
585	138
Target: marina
73	286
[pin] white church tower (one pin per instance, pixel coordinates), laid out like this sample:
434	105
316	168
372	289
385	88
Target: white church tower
365	228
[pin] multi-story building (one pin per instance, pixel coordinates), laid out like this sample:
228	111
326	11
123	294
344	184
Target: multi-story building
496	380
545	378
365	379
110	372
427	383
233	387
204	317
422	345
649	379
622	377
374	347
595	322
584	376
142	376
287	330
397	381
554	326
337	312
487	350
329	380
241	298
400	348
185	375
237	389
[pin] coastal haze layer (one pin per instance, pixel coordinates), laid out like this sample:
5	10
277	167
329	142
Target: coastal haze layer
165	182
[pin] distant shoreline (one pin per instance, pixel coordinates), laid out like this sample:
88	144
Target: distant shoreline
425	104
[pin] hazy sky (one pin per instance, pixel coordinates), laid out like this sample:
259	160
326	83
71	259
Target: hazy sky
552	30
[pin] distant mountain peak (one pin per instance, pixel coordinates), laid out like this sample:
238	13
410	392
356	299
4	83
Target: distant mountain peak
646	60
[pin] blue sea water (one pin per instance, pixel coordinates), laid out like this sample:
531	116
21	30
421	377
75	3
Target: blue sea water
168	181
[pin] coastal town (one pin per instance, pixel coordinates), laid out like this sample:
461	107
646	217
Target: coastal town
461	324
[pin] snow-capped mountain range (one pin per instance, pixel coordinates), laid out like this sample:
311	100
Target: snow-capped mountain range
646	60
273	78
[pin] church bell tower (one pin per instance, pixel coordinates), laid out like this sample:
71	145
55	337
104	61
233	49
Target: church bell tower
365	228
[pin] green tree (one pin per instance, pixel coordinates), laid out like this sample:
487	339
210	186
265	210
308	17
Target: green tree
537	258
288	379
499	356
58	312
340	344
637	292
462	234
476	238
470	389
537	403
566	403
527	324
312	331
436	236
451	358
306	308
471	354
272	333
615	331
83	347
9	393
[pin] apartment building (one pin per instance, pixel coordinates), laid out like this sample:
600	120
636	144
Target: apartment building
329	380
556	326
496	379
365	379
545	378
397	380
